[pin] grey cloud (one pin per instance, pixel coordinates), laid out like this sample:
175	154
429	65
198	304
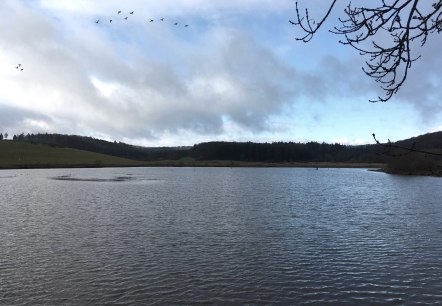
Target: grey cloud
14	119
258	85
262	82
422	87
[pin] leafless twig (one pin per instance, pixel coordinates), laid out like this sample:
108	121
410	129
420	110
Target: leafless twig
386	33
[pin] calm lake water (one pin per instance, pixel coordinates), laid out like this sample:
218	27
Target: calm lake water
154	236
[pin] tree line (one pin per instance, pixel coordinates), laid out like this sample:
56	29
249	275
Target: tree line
286	152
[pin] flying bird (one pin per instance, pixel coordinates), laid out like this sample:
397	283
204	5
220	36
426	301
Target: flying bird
19	65
186	25
151	20
125	18
162	19
98	21
131	13
110	20
119	12
176	23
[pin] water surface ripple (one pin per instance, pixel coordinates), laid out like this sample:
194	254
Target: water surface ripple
155	236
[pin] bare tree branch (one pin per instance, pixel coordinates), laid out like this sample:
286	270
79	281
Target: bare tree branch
309	26
386	33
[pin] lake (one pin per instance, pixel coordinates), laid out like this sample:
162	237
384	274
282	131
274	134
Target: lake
155	236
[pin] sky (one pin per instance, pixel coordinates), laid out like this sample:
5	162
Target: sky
235	73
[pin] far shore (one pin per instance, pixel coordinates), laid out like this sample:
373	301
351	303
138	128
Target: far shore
435	173
251	164
193	163
378	167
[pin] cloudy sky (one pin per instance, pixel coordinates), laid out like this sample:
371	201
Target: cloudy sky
234	73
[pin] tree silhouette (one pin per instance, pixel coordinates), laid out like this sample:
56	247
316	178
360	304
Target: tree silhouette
387	32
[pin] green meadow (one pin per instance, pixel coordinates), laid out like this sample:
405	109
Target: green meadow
15	155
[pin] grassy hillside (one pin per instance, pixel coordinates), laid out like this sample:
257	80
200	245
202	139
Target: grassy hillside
118	149
25	155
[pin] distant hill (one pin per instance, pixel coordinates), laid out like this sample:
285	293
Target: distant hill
250	152
430	141
117	149
14	154
426	160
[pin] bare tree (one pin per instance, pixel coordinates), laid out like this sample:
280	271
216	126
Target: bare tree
387	32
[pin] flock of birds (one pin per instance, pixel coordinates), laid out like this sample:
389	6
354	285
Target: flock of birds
20	68
131	13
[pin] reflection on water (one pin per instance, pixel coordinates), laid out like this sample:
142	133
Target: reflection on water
219	236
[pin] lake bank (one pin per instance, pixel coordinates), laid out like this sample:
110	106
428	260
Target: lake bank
435	173
377	167
252	164
181	163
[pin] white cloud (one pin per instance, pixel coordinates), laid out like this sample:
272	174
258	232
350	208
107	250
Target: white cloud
346	141
148	82
79	80
436	129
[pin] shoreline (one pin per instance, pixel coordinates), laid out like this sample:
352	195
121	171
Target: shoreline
375	167
433	173
211	163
